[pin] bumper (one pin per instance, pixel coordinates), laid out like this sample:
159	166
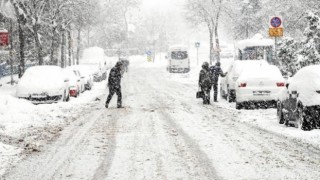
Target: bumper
43	100
180	70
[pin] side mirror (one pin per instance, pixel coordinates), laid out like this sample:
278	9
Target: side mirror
287	85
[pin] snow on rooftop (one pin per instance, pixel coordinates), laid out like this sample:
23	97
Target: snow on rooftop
257	40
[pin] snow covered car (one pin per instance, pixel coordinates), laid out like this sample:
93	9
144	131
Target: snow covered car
74	82
299	103
228	83
87	72
44	84
259	85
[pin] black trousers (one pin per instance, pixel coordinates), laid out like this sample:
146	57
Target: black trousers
206	97
215	92
113	90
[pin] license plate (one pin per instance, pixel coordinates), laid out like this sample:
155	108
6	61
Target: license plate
261	93
38	95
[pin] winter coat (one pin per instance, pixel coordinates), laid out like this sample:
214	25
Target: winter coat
204	78
215	72
114	80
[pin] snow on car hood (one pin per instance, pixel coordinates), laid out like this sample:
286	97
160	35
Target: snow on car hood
41	79
307	82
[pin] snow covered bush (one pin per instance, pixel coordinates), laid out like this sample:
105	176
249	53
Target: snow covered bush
288	56
311	45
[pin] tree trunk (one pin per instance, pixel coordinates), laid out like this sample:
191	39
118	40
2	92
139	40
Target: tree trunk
38	44
53	48
21	23
211	46
78	45
63	42
216	34
69	48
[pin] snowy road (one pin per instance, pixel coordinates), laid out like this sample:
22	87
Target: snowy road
165	133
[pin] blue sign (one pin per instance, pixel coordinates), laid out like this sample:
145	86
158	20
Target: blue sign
149	53
197	44
276	22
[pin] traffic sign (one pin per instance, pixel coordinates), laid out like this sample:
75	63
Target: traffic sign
4	38
197	44
276	22
275	32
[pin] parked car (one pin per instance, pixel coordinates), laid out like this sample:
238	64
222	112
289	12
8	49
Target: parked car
259	86
43	84
86	72
74	82
82	79
228	83
299	103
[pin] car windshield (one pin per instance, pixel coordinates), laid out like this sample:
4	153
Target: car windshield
179	55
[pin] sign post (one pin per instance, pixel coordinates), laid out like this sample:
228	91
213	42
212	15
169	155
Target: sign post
276	31
197	45
149	56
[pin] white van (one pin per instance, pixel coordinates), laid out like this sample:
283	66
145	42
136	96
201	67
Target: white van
178	59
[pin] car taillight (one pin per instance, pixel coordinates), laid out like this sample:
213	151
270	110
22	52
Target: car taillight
281	84
242	85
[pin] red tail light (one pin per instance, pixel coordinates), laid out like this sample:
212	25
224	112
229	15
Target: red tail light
281	84
242	85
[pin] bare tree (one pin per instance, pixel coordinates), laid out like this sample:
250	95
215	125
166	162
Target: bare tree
207	12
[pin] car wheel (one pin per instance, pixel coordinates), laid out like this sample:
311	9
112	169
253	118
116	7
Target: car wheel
280	113
239	105
302	120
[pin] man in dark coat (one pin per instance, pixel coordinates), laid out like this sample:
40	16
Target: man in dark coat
114	84
205	82
215	72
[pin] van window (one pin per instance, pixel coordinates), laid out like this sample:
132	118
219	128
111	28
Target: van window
179	55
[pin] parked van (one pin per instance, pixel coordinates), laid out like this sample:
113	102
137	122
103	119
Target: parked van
178	59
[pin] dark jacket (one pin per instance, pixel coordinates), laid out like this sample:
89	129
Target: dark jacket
114	80
204	78
215	72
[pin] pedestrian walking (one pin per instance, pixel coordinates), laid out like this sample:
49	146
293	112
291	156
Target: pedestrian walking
215	72
205	82
114	84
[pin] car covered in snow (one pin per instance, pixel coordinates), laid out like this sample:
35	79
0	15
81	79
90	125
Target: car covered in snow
75	84
228	83
87	74
299	103
43	84
259	86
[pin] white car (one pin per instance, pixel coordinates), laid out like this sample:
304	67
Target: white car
74	82
299	103
86	72
228	83
261	85
43	84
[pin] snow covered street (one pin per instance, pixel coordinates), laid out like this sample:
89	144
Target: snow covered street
165	133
